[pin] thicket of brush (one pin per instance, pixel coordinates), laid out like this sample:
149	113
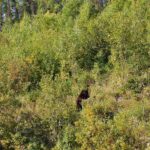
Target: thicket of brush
45	61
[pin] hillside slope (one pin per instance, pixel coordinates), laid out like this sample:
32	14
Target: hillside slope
47	59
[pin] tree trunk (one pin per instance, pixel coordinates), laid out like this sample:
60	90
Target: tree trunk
16	10
1	20
8	9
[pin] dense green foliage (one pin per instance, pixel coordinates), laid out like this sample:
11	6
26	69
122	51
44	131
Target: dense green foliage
45	61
